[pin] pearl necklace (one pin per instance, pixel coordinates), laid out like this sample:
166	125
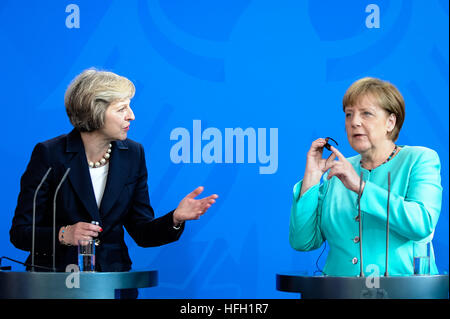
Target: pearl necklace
104	159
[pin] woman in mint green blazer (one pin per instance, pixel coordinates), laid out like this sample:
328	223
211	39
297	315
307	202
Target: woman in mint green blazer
325	202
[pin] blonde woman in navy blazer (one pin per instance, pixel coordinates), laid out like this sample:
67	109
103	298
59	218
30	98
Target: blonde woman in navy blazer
98	106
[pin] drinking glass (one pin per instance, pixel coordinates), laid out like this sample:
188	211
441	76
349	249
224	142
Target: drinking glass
421	255
86	255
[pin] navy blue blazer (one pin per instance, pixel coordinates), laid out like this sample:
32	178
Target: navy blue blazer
125	202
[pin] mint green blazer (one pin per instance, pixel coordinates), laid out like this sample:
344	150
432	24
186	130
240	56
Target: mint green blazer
327	211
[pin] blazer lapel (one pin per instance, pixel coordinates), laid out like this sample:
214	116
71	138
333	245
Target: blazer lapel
117	176
79	174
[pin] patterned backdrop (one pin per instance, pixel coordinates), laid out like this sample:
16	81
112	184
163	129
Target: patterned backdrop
274	71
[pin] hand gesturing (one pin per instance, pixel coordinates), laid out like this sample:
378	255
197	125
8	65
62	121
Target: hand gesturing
190	208
343	170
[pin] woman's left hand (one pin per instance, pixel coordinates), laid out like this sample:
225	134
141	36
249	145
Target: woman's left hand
343	170
191	208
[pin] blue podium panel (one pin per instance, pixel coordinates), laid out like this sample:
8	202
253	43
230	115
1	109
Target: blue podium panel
395	287
72	285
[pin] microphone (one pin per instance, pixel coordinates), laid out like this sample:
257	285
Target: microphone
387	225
54	215
2	268
34	217
361	267
21	263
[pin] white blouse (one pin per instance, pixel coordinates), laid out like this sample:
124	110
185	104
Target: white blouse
98	178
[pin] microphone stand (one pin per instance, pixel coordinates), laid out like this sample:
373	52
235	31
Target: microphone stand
54	215
387	226
34	217
361	267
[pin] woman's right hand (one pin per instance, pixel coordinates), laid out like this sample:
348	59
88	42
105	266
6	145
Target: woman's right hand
316	166
79	231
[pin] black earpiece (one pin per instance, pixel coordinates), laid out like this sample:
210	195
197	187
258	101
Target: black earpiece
328	146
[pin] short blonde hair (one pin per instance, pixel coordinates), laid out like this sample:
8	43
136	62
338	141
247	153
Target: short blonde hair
386	95
89	95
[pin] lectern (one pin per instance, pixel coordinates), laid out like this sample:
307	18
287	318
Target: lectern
392	287
64	285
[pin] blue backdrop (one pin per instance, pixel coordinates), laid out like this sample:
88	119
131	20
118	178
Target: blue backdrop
226	64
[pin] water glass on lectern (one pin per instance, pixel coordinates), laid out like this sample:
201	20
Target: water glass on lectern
421	258
86	255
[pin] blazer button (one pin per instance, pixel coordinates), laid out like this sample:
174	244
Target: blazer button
357	219
354	261
356	239
97	242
